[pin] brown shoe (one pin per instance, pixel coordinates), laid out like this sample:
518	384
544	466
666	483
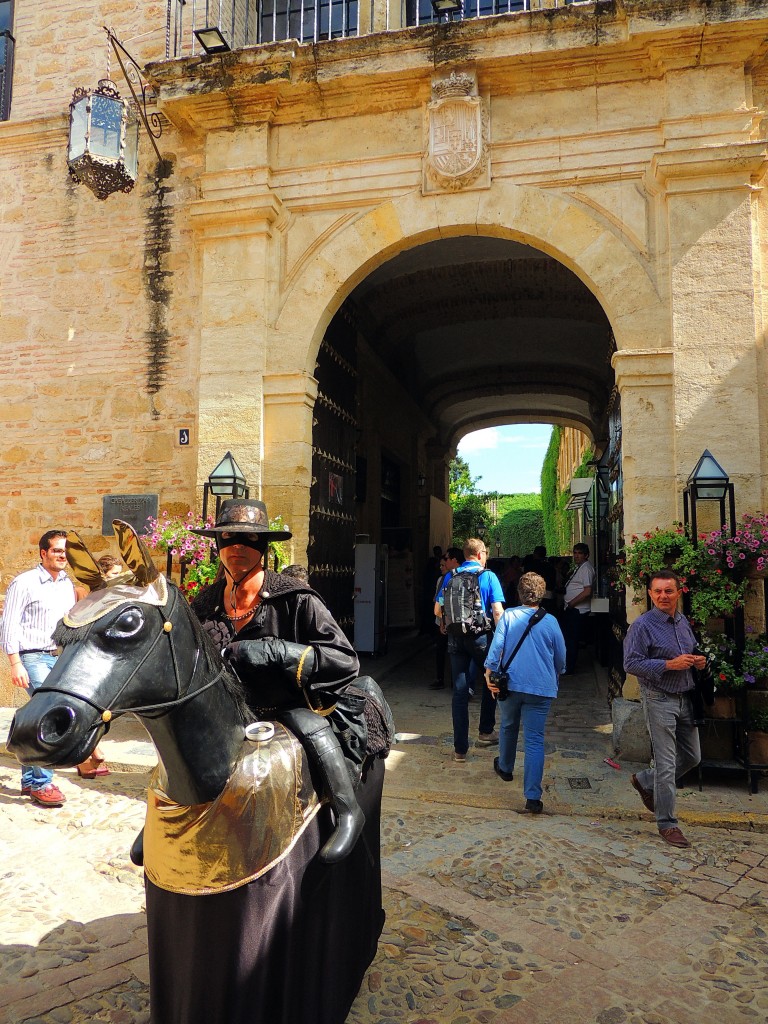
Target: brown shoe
646	795
47	796
674	837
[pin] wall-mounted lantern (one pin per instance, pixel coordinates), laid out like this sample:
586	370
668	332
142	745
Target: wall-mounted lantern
225	481
708	481
103	140
103	150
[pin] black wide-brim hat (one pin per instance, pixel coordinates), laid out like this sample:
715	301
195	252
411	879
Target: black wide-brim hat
244	515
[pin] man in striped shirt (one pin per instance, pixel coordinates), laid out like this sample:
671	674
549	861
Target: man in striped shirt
35	602
659	649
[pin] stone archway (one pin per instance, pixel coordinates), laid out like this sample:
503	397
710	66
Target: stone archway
558	226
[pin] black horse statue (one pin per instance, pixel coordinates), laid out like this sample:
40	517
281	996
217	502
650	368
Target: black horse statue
245	922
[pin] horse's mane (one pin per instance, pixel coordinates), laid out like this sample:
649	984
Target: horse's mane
63	635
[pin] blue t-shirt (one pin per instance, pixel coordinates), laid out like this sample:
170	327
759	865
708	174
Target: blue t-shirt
490	588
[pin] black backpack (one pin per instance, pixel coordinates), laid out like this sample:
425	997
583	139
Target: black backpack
463	607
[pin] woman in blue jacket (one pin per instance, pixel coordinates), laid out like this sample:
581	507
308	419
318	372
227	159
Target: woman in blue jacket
531	686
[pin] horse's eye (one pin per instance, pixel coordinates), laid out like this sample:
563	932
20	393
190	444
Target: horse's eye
126	624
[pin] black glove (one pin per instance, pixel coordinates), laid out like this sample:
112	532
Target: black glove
293	662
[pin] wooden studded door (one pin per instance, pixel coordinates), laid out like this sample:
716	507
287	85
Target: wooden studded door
332	495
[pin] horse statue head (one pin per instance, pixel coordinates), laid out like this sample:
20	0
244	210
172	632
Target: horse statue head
134	645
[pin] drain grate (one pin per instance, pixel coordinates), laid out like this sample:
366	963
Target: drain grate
579	784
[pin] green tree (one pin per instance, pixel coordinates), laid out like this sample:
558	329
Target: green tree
468	511
461	483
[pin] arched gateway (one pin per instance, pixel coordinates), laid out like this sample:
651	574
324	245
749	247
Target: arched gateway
571	234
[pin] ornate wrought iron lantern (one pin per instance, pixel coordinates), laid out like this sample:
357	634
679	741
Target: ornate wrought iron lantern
103	140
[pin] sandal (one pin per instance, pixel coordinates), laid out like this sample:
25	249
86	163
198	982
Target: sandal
99	770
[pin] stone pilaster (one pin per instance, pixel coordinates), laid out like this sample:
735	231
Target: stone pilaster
645	380
289	399
234	221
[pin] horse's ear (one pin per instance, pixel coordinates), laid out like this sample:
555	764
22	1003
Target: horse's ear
82	561
135	553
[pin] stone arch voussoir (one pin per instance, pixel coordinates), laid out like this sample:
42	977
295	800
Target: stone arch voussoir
559	226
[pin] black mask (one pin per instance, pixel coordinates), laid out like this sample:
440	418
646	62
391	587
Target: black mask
249	540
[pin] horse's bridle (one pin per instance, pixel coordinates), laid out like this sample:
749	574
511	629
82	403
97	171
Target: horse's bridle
109	711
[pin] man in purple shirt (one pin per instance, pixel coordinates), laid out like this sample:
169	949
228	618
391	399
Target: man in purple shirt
659	650
34	603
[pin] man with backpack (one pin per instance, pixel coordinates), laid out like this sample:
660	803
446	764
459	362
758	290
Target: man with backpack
471	601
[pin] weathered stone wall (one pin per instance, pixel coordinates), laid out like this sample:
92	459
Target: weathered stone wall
626	141
96	299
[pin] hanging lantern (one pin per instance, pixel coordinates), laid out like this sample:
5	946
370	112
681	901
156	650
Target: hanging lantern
103	140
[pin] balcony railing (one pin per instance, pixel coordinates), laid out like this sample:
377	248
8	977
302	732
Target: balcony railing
250	22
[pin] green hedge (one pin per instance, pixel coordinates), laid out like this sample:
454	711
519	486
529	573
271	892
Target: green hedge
519	526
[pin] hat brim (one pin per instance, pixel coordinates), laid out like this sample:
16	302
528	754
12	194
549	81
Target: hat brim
214	531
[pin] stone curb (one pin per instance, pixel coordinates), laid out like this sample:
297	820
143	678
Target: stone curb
747	822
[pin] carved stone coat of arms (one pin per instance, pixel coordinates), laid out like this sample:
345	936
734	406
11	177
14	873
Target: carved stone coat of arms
456	132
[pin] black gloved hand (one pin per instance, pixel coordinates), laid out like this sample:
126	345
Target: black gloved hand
294	662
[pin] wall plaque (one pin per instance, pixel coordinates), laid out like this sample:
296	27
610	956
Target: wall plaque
132	508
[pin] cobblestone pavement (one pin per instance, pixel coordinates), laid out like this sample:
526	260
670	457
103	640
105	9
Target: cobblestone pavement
492	917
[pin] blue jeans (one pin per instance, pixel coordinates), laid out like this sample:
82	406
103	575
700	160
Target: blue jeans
676	749
533	711
38	666
465	651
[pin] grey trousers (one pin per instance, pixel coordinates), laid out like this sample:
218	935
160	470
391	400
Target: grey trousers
676	749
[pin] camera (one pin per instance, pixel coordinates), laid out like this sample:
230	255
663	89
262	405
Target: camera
501	680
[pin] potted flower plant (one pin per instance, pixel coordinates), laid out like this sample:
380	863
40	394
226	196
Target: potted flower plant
723	660
659	549
744	553
714	590
171	534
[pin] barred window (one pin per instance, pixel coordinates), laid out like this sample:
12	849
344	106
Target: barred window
6	58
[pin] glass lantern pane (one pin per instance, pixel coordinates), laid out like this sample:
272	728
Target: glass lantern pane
78	126
131	158
106	126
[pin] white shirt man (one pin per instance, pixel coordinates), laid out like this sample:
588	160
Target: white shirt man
34	603
578	598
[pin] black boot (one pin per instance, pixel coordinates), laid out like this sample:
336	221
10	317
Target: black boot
319	740
137	850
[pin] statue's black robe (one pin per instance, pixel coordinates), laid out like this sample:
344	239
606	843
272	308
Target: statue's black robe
291	947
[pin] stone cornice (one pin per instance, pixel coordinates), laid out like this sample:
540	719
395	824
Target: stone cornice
36	133
685	170
545	49
234	204
289	389
644	367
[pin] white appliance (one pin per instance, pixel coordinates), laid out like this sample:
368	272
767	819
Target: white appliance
370	598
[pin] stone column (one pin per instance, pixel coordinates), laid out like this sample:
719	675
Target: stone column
234	221
289	399
645	380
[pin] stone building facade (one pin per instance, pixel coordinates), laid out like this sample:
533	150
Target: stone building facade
356	250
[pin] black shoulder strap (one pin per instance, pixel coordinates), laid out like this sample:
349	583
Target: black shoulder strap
537	616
